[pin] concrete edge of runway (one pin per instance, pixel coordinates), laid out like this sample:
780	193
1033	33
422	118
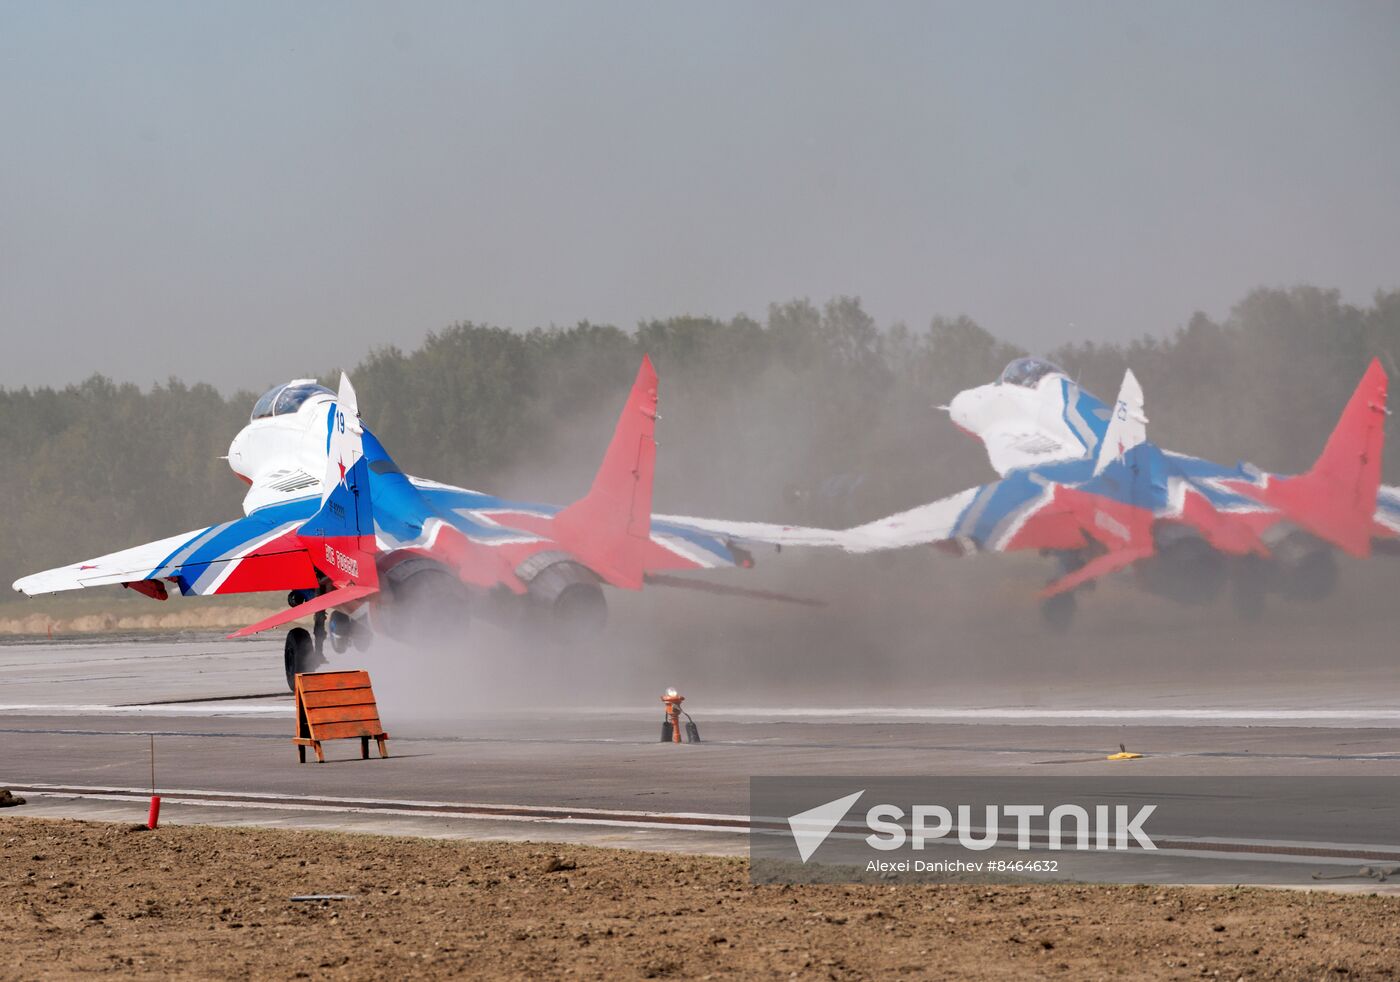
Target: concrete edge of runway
129	806
677	832
277	707
130	809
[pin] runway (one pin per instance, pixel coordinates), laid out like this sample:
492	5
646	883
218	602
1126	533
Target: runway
76	721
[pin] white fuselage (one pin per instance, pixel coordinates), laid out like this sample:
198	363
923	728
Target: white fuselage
282	457
1026	426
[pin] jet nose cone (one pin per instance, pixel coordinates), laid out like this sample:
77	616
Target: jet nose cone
963	410
237	456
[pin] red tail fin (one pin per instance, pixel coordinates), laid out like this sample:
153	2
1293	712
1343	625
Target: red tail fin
1336	500
609	528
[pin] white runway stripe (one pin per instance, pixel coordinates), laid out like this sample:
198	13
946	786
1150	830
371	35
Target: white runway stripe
1224	715
1386	717
559	814
1309	852
214	708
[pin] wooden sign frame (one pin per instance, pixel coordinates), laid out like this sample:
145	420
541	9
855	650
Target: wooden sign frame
337	706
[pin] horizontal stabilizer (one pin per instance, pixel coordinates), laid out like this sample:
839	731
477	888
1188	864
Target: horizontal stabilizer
1109	562
1336	499
1123	530
1225	533
325	601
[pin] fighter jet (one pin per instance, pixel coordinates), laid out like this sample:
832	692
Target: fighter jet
1081	483
332	522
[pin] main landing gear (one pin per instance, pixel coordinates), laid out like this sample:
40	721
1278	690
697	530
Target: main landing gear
302	651
1057	612
300	654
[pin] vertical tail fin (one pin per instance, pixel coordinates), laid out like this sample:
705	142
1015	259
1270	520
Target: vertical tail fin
609	528
340	536
1336	499
1128	426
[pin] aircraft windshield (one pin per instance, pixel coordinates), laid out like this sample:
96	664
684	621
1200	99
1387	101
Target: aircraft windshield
1026	372
283	399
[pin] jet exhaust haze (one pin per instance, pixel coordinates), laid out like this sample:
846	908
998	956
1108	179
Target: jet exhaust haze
911	630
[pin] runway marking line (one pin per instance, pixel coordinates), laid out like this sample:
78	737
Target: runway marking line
442	809
872	714
1205	847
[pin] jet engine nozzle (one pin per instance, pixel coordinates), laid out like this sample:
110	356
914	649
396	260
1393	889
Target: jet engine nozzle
566	601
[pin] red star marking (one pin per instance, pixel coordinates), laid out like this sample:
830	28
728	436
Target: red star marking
341	464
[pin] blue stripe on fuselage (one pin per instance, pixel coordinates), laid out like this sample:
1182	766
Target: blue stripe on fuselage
452	502
1085	415
233	536
1199	472
998	505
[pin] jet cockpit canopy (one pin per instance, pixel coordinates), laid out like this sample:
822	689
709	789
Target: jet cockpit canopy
281	400
1027	372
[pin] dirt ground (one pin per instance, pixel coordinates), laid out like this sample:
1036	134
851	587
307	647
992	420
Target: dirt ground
51	620
81	897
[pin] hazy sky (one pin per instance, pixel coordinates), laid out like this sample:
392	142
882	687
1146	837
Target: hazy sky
242	192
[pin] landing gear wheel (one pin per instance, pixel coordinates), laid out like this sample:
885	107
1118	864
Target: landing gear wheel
1058	611
298	655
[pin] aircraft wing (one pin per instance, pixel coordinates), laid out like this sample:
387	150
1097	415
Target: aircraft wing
1387	512
252	554
931	524
745	533
519	529
1021	511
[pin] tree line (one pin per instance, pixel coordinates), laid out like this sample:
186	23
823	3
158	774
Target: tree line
815	414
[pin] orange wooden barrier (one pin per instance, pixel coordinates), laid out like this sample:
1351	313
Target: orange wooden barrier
337	706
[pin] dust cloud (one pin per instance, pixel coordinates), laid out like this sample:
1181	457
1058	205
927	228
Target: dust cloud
913	629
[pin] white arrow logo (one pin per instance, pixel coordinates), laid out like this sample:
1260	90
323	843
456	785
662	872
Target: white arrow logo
810	828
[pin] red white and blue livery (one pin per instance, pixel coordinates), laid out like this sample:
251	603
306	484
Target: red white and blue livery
1080	482
332	522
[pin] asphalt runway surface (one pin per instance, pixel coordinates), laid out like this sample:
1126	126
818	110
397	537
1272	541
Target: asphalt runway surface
76	720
